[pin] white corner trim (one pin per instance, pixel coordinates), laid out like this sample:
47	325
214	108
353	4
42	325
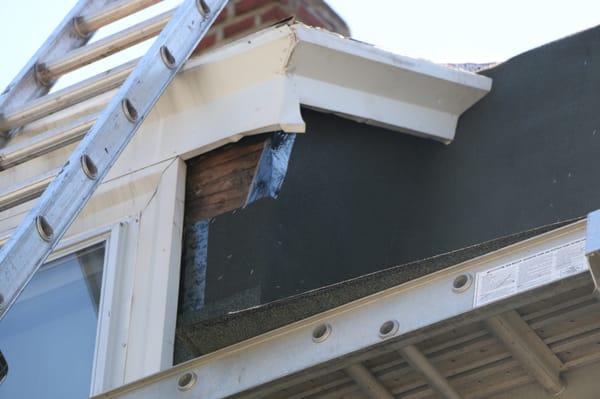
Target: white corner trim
152	321
377	110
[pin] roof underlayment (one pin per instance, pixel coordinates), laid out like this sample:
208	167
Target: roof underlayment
206	336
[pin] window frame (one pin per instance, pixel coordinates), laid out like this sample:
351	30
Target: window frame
111	237
140	217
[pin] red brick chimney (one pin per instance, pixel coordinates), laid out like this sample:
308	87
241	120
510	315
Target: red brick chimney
242	17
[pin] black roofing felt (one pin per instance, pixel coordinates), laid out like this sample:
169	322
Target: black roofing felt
199	336
358	198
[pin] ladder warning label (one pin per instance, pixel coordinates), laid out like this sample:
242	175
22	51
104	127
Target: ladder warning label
530	272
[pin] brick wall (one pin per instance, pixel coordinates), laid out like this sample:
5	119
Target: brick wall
242	17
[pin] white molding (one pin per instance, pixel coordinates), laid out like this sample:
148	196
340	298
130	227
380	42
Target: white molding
79	242
376	110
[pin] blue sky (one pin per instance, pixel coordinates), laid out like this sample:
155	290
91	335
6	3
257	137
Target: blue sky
466	30
441	31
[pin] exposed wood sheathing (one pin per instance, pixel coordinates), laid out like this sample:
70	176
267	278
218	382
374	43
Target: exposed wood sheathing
219	181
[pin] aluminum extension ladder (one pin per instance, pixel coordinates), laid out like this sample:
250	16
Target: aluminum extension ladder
105	135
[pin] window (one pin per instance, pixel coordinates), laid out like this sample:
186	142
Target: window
49	336
132	245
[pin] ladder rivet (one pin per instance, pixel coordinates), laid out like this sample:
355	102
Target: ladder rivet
203	8
129	110
321	332
89	167
167	57
389	328
78	30
44	229
187	381
41	72
462	283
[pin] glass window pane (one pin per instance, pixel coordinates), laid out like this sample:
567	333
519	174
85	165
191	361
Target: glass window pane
48	337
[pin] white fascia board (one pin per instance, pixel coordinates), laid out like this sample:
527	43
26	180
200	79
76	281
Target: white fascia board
374	86
376	110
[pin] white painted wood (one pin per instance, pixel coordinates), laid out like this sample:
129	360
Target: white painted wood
113	315
116	200
156	276
377	110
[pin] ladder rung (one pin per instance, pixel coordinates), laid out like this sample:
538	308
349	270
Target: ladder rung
44	143
93	21
27	191
62	40
66	97
82	56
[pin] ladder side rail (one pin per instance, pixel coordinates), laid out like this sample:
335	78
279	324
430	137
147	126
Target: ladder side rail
25	86
65	197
